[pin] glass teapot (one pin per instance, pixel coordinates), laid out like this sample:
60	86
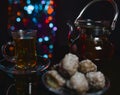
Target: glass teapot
89	39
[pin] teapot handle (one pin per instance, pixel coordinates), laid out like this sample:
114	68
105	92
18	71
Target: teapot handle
9	47
94	1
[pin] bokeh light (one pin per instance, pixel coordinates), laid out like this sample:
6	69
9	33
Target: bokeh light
34	14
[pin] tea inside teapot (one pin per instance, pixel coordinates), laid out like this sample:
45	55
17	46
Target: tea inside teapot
93	41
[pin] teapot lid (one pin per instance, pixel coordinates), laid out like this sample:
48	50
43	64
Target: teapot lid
88	23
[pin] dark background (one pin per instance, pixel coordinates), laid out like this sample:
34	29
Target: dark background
68	10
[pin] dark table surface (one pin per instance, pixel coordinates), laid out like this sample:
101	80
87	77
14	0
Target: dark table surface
110	69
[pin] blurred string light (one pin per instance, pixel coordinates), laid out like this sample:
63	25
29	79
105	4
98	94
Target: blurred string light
18	19
29	8
34	14
28	1
40	40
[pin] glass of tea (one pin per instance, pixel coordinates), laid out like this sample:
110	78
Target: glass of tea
22	50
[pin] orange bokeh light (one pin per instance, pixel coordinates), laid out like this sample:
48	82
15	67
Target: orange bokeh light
18	13
50	55
50	10
11	48
50	18
51	2
9	8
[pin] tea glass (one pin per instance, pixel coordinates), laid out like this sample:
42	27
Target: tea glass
26	63
23	48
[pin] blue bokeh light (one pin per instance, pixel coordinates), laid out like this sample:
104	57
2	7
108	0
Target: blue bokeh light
40	40
43	2
18	19
12	28
46	7
46	38
45	56
51	46
51	25
34	20
28	1
29	9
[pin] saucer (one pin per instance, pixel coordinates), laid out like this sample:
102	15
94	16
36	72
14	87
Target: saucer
10	68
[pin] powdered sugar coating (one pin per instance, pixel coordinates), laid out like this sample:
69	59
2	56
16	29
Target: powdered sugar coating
78	82
70	63
96	79
54	74
86	66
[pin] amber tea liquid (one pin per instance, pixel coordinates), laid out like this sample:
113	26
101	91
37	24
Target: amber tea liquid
25	52
86	47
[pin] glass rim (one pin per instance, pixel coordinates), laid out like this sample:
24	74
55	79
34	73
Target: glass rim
24	30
